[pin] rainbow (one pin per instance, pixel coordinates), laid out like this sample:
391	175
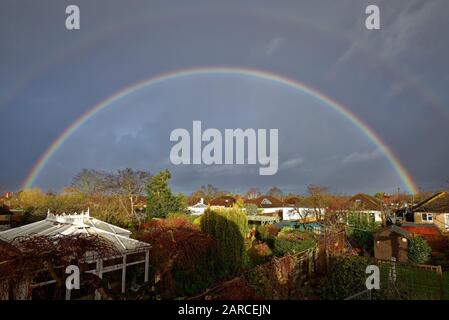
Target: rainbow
183	73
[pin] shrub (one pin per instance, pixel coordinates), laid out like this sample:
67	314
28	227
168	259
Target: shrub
290	241
267	234
346	277
418	250
362	233
363	239
173	222
285	231
259	253
228	227
177	215
181	256
251	209
196	220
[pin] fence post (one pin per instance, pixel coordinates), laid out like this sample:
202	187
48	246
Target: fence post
440	281
392	273
309	263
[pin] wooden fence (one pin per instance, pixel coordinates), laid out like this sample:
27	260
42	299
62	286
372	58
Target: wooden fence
284	277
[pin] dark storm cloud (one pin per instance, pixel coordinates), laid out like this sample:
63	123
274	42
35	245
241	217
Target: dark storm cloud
395	79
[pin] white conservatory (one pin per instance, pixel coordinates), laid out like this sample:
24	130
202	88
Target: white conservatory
131	252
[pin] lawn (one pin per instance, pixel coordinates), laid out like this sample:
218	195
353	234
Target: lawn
413	282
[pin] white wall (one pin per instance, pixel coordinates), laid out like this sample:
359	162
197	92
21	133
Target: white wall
289	213
302	213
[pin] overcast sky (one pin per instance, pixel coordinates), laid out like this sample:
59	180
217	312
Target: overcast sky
395	79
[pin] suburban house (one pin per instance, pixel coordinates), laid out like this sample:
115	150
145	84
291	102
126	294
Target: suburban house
367	207
433	210
269	205
132	254
223	202
303	210
392	242
197	208
290	209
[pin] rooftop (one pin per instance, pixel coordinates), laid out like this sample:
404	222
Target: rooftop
438	203
366	202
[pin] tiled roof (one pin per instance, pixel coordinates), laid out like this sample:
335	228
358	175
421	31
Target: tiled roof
366	202
266	202
438	203
293	201
225	201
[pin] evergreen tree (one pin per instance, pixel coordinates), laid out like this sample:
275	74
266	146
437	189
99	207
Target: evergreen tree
160	199
228	227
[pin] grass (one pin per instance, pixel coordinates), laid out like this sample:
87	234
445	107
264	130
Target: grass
415	283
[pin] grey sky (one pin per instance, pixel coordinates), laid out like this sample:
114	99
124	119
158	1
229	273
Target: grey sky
395	79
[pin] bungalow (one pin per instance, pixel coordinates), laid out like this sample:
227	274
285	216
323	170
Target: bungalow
198	208
223	202
433	210
367	207
268	205
216	203
290	209
302	209
131	253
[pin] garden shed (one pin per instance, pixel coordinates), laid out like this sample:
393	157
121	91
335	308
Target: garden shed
392	242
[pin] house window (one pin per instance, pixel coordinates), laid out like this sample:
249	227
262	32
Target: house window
428	217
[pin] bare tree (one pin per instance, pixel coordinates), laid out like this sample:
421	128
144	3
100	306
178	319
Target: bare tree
129	184
208	192
253	193
318	198
91	182
126	185
276	192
